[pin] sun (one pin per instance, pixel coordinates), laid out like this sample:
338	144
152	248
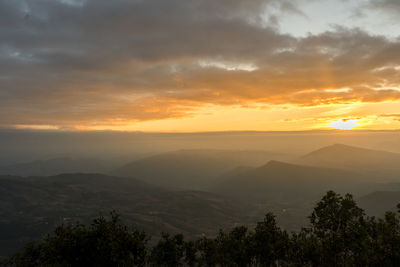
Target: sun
344	124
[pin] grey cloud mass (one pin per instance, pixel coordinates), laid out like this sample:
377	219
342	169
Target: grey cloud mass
68	62
392	6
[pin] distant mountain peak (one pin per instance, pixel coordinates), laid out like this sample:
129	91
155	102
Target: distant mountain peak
340	146
275	163
280	166
351	157
347	148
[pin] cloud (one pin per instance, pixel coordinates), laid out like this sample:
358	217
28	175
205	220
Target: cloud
96	61
388	11
395	117
392	6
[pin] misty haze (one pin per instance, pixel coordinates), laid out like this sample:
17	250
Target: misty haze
199	133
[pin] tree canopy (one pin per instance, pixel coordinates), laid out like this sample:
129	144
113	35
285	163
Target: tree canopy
339	234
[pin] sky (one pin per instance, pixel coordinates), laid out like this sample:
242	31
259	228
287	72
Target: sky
199	65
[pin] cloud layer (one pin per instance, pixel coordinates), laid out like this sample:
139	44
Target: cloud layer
70	62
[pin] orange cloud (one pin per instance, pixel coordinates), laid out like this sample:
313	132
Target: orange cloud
119	63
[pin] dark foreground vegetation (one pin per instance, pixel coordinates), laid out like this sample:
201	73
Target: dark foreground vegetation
339	234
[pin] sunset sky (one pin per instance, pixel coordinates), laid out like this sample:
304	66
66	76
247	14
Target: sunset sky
199	65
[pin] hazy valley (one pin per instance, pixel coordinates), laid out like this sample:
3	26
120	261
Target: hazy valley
191	191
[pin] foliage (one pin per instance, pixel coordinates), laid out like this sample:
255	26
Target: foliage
270	243
341	230
104	243
339	234
168	252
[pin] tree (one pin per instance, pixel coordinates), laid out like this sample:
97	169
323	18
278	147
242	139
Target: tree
340	226
104	243
304	249
234	248
385	240
169	251
339	235
270	243
207	249
190	253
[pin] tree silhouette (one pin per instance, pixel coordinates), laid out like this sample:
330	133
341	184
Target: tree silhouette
339	235
104	243
207	249
341	229
270	243
234	248
385	240
169	251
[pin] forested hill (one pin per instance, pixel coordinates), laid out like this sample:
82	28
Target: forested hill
338	234
31	207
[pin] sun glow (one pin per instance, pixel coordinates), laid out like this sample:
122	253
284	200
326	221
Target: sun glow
344	124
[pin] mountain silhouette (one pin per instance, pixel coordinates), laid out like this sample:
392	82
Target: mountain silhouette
353	158
192	169
281	181
55	166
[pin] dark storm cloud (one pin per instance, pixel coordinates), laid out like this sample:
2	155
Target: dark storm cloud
70	62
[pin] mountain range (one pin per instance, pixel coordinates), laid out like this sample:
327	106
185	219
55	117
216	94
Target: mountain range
386	164
193	169
194	192
55	166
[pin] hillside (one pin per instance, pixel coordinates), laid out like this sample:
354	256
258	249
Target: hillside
30	206
377	203
55	166
354	158
279	181
192	169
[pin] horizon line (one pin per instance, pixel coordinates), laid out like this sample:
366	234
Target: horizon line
3	130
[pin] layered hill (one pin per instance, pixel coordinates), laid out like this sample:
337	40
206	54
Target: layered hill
280	181
192	169
55	166
353	158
